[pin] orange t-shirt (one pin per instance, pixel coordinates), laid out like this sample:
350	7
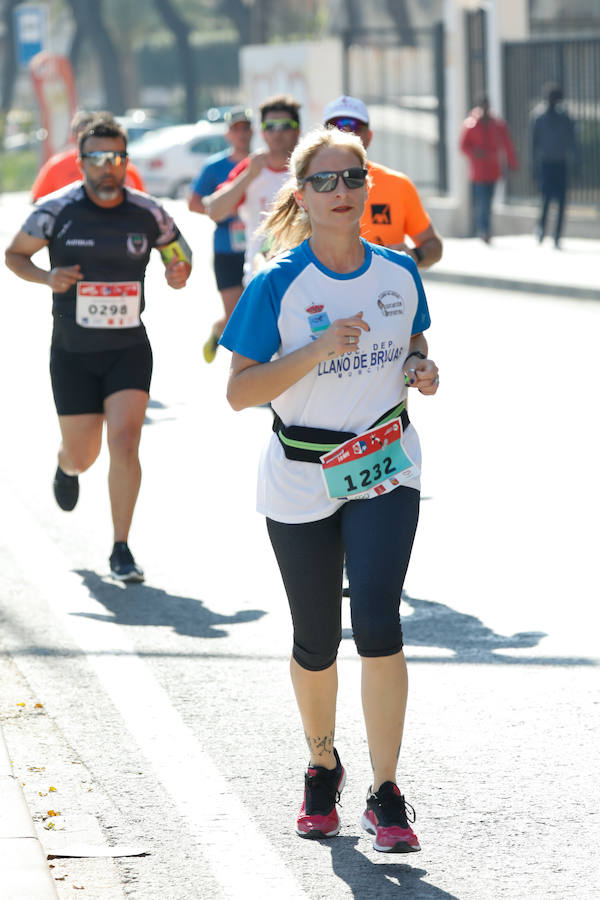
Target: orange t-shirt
393	208
61	169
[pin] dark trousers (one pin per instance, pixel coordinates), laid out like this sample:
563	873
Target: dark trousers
553	185
482	194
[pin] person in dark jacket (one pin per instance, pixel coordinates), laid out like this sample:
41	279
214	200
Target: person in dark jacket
554	151
487	144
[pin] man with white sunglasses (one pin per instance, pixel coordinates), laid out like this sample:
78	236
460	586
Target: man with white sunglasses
99	235
394	210
253	184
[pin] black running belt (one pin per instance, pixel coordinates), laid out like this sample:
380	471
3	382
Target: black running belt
309	444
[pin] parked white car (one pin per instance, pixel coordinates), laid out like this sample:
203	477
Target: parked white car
169	159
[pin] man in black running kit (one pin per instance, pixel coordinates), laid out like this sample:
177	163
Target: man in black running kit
99	236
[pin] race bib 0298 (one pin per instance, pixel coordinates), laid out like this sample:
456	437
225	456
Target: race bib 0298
108	304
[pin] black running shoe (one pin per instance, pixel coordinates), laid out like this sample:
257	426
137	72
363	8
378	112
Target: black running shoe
66	490
122	564
386	817
318	817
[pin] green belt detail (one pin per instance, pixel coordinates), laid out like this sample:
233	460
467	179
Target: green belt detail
325	448
392	414
305	445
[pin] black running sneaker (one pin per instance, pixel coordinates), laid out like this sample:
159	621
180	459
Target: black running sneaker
66	490
122	564
385	817
318	817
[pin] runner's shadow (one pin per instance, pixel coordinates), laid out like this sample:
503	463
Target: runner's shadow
378	880
437	625
141	604
433	624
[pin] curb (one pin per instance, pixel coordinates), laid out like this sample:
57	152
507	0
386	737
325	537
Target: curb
514	284
23	863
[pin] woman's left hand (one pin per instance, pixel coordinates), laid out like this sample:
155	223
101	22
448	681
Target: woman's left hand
422	374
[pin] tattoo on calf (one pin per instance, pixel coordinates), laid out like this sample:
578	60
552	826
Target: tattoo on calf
320	745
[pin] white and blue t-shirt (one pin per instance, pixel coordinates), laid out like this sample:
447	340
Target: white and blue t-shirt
291	302
229	234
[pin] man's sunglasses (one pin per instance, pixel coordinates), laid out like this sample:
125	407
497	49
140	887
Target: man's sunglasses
324	182
279	124
101	157
346	123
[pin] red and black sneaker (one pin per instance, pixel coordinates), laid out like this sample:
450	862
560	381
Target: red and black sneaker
318	817
386	818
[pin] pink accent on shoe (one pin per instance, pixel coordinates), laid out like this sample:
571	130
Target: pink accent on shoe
392	839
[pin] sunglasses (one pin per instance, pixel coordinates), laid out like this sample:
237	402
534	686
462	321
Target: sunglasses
324	182
346	123
99	158
279	124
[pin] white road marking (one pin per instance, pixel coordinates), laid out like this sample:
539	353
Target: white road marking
201	794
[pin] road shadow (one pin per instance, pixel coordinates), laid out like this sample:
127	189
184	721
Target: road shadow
157	404
141	604
433	624
378	880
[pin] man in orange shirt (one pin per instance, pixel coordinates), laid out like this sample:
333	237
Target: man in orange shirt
393	210
62	169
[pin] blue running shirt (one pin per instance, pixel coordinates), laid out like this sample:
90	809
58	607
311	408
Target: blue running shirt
214	173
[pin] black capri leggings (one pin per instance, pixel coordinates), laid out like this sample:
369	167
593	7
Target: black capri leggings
376	536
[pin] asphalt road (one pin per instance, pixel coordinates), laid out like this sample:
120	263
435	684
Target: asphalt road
166	720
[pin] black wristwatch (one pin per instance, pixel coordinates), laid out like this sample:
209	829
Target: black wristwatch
418	253
415	353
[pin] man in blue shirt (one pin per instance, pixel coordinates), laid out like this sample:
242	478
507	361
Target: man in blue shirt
229	236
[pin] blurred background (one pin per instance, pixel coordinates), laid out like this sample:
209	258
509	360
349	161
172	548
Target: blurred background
170	68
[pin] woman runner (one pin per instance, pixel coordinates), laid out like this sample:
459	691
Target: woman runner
331	334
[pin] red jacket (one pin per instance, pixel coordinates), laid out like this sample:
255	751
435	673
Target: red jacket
487	144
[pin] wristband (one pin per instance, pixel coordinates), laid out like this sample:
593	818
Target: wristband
419	254
415	353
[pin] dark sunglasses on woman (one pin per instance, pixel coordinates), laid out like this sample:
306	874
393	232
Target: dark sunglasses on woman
324	182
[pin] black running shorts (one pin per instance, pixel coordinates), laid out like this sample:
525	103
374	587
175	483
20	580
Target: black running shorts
229	268
81	381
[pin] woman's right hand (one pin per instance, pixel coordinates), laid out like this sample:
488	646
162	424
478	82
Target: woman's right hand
342	336
62	278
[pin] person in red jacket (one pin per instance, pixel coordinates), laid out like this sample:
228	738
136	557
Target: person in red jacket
486	142
62	169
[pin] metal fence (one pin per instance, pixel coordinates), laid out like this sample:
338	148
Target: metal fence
575	66
400	77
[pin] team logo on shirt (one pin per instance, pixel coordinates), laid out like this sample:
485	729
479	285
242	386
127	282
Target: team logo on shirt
317	319
390	303
137	245
381	214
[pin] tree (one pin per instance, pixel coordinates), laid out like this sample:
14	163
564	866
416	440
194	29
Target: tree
180	29
90	28
9	63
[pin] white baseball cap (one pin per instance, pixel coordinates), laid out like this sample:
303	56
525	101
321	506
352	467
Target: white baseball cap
346	106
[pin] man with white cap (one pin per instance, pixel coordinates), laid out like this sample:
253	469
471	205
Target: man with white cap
394	210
